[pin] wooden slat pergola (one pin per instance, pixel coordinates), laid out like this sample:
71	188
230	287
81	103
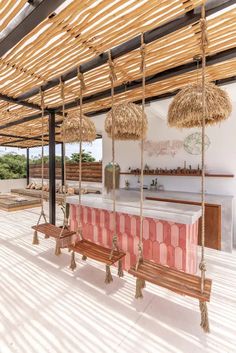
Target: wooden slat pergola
43	42
53	40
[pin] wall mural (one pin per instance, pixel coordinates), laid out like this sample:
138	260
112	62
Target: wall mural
162	148
193	143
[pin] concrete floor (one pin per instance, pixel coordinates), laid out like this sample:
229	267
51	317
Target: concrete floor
44	307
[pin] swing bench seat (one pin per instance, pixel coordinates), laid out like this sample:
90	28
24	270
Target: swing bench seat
97	252
174	280
50	230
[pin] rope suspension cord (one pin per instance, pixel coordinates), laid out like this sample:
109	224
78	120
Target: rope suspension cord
82	88
204	112
202	265
64	187
42	213
143	70
42	164
113	78
88	248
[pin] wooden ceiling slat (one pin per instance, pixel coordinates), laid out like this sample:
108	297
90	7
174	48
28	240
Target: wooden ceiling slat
84	29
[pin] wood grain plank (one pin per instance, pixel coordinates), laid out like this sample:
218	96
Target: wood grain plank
176	281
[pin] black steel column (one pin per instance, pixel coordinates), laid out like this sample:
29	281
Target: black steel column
52	170
27	166
62	165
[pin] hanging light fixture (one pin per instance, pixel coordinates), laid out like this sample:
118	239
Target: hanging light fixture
128	122
70	130
185	111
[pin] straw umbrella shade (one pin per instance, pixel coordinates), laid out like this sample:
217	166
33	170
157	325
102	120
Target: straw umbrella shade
185	111
128	122
70	131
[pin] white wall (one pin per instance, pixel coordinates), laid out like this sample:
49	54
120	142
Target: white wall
7	185
220	157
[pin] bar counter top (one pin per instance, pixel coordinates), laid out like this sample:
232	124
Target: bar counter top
129	203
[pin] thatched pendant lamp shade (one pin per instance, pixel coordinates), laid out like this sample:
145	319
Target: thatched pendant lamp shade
186	109
128	122
71	126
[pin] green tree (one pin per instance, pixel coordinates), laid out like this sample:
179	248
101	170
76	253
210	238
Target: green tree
12	166
86	157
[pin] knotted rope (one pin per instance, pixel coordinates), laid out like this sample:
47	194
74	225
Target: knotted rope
143	70
143	54
202	265
113	78
79	231
42	213
82	88
80	76
112	75
42	146
140	284
64	187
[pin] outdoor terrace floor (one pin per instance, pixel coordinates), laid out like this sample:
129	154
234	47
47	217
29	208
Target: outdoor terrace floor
44	307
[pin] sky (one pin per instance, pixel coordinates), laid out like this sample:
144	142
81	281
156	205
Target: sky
95	148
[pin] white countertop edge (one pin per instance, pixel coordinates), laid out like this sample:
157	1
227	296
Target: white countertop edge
177	213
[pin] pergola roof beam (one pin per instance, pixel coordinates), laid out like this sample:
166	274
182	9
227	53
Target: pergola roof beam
175	71
223	56
130	45
163	96
31	16
21	121
23	138
24	104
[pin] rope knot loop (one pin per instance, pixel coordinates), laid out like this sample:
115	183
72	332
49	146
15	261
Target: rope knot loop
114	239
204	34
111	64
143	52
202	266
80	76
140	248
42	99
62	89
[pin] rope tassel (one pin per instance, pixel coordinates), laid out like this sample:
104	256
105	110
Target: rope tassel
73	263
140	284
204	317
108	278
35	238
57	250
120	269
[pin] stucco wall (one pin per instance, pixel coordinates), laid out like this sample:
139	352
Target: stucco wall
220	157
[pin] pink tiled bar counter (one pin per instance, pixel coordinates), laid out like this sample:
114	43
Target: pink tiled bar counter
166	242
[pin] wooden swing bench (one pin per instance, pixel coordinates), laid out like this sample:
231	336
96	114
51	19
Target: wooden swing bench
50	230
174	280
97	252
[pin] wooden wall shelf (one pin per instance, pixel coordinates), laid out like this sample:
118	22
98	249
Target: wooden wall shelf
210	175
